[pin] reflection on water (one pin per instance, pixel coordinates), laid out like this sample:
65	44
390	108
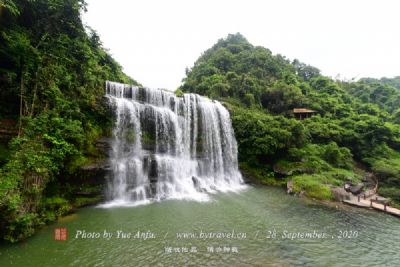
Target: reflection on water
68	218
181	233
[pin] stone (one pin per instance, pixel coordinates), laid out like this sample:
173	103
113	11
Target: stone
289	186
356	189
340	194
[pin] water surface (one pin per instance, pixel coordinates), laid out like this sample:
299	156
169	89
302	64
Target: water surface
259	213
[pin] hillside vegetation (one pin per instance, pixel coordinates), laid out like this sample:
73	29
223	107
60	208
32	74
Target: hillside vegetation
52	76
355	124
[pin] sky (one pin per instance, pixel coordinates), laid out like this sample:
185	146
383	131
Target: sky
155	40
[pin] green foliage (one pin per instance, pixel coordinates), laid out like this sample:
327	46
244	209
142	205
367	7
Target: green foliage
304	71
384	92
261	173
390	192
249	100
261	135
179	93
315	186
10	6
234	67
85	201
54	207
387	166
352	120
52	76
340	157
313	158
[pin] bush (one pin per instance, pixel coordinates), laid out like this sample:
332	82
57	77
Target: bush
390	192
340	157
58	205
261	135
249	100
178	92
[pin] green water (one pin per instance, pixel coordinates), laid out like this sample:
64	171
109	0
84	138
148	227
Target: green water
251	214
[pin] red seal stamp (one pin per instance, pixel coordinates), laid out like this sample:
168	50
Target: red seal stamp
60	234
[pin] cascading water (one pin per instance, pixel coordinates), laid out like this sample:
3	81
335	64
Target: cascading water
166	146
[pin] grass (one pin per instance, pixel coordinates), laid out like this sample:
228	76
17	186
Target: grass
308	171
314	185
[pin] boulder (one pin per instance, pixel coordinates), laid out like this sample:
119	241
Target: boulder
356	189
289	186
340	194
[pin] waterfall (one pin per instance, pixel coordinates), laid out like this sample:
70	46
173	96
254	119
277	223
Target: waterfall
169	147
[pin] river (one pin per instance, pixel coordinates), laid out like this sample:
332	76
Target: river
257	227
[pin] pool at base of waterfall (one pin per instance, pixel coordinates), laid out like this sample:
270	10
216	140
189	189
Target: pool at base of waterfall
259	226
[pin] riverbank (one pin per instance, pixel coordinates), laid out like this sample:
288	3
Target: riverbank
335	197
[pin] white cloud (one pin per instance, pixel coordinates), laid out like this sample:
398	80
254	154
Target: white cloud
155	40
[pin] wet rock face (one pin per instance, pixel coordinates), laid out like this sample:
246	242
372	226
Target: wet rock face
340	194
97	172
103	145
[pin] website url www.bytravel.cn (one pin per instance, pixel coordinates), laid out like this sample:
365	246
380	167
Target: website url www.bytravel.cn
211	235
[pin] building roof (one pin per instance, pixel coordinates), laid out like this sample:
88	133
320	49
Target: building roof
303	110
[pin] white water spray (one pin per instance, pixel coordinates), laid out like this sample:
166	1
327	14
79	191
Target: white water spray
169	147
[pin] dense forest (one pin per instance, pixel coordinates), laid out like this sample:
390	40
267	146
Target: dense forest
52	110
355	127
52	76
